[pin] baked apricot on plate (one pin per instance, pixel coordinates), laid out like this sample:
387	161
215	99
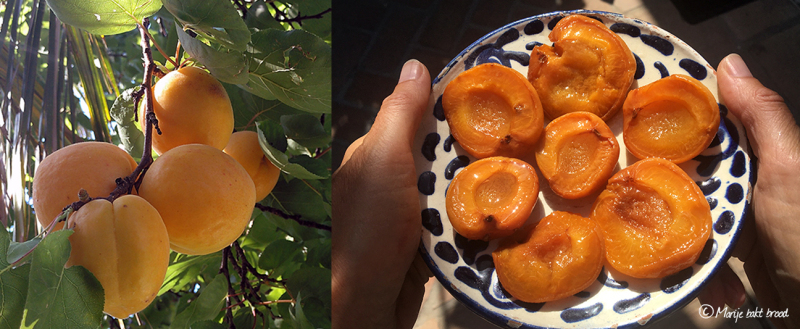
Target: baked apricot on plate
465	267
674	118
577	154
589	68
492	197
558	257
493	110
654	218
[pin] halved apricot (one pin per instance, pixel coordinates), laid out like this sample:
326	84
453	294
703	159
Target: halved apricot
562	255
654	218
492	110
674	118
589	68
577	154
492	197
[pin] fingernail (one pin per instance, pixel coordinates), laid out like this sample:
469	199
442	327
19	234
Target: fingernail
737	67
412	70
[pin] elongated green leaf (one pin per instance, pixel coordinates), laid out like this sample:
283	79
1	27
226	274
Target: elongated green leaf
18	250
123	113
206	306
103	16
13	287
282	256
216	19
65	297
281	160
226	66
300	198
292	66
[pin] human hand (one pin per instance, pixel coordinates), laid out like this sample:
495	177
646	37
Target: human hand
768	246
377	277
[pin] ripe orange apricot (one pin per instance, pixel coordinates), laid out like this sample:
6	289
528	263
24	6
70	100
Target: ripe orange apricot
675	118
558	257
125	245
191	107
577	154
492	197
203	195
492	110
589	68
243	146
654	218
92	166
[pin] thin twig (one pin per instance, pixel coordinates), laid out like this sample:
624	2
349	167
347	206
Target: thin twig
296	218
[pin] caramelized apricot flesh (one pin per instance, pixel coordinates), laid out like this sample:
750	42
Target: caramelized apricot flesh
559	257
675	118
577	154
493	110
492	197
589	68
654	218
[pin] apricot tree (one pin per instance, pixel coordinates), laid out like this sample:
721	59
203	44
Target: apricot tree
83	131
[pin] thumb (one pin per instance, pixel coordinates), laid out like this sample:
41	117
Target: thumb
401	112
771	129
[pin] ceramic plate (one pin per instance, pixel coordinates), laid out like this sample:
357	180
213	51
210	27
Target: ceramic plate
465	268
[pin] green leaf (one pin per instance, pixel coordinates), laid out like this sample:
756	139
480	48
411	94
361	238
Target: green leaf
298	197
305	129
64	297
104	17
228	66
281	160
282	257
301	322
206	306
259	17
13	286
18	250
315	166
184	270
292	66
217	20
273	134
123	112
311	281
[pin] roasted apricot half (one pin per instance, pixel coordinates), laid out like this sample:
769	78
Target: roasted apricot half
492	110
577	154
674	118
492	197
654	218
589	68
562	255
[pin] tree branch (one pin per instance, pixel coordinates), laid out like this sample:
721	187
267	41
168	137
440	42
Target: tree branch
296	218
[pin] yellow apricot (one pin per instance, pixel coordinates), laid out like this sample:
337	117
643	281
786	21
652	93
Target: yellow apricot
203	195
243	146
92	166
125	245
191	107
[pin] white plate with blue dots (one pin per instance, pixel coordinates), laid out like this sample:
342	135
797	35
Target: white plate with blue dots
723	171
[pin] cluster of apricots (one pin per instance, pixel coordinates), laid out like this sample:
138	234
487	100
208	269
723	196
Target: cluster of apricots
648	220
196	198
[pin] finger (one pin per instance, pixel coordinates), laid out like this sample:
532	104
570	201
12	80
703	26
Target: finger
724	288
762	111
401	112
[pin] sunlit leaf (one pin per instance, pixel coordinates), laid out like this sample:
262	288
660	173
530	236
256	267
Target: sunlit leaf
123	113
13	287
292	66
216	19
102	16
227	66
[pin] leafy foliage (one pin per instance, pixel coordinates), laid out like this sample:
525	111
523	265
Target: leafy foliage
274	59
